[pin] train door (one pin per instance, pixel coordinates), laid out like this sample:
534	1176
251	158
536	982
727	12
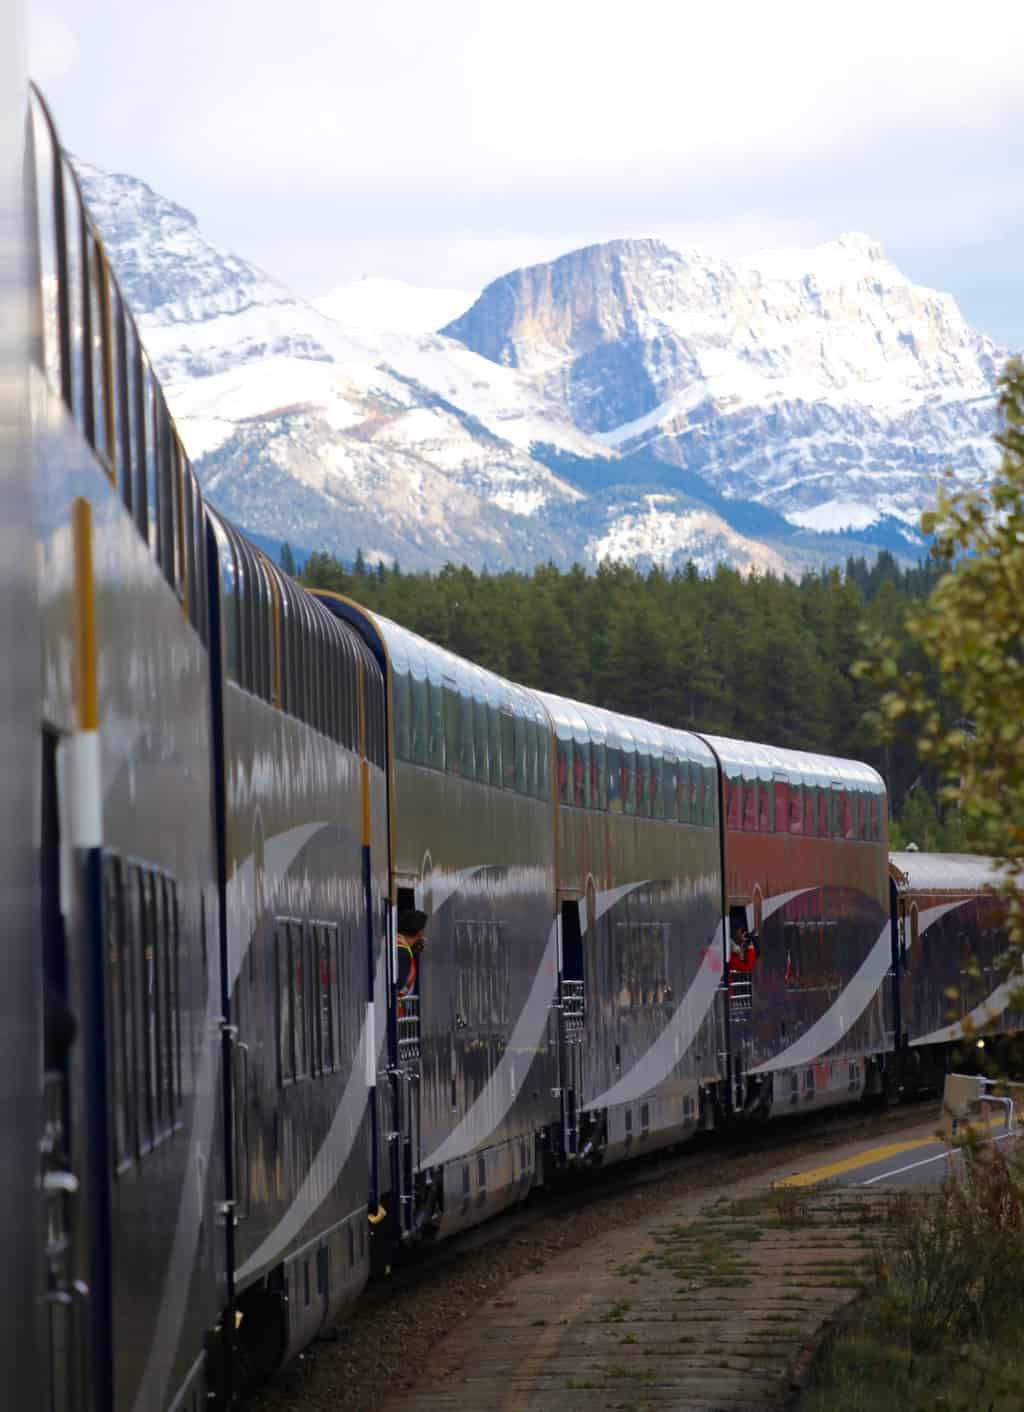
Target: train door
75	1141
571	1018
406	1072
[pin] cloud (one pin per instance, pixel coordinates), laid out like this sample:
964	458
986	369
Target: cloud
53	50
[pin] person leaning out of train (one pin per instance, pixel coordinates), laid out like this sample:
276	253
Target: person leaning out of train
744	949
411	941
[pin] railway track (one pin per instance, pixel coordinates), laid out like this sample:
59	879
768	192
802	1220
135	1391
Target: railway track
378	1351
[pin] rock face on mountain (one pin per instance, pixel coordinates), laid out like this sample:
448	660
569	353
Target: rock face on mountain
626	400
804	381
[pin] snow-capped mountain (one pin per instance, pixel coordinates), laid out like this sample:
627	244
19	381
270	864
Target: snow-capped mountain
393	305
624	401
822	383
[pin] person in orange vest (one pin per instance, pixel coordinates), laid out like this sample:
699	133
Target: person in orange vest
411	942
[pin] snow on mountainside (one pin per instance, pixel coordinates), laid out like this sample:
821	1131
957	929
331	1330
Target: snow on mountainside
402	444
819	384
393	306
822	383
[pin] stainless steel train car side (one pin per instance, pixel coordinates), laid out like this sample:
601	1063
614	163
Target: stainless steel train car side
23	1334
473	845
952	966
301	701
804	840
134	1254
640	899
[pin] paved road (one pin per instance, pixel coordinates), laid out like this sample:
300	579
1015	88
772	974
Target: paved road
920	1159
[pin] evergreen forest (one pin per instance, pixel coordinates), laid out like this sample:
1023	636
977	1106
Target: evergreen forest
757	657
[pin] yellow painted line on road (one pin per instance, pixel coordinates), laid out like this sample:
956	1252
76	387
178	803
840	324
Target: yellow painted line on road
877	1154
850	1164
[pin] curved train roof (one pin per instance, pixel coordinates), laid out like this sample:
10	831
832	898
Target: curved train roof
595	723
946	872
799	766
408	652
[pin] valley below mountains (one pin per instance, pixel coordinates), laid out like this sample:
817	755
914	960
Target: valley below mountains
626	401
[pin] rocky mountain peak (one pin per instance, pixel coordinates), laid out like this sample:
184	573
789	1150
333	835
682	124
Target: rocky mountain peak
625	400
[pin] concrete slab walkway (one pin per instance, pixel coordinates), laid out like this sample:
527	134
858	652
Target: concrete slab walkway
706	1308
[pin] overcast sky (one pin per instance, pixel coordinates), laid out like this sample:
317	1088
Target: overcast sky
445	143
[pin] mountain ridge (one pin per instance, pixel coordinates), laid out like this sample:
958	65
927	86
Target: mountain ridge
419	446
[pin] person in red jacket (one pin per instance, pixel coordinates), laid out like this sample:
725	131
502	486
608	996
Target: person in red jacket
744	950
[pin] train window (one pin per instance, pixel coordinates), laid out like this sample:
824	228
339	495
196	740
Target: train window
860	829
134	469
544	761
435	719
598	774
419	719
691	806
873	816
307	676
613	756
796	809
99	343
809	809
401	714
677	790
824	831
659	774
780	798
286	649
565	765
846	814
764	814
629	780
581	772
47	171
642	788
522	750
73	359
480	740
188	543
262	623
710	808
733	792
310	712
119	972
285	1037
508	748
494	743
749	788
122	393
467	736
149	455
452	725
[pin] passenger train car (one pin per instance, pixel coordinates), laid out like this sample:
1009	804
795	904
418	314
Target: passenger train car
220	1119
949	935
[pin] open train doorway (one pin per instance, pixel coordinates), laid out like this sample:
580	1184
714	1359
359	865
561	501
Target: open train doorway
572	1017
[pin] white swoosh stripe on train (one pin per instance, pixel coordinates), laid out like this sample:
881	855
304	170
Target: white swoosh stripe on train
329	1161
990	1008
502	1088
281	851
677	1036
849	1004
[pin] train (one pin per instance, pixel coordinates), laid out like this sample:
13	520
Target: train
221	1117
